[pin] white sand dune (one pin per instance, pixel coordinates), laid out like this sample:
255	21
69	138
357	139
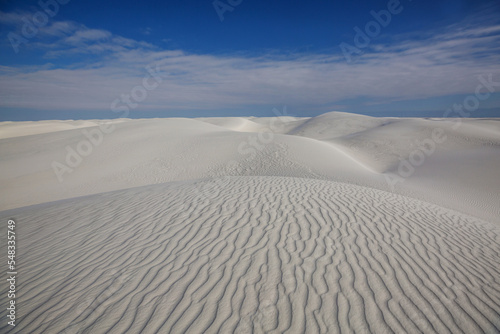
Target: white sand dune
259	254
235	123
17	129
253	225
335	146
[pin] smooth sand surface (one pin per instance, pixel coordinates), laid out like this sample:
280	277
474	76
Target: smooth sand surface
253	225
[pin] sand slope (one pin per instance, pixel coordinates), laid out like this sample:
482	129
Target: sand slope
335	146
258	254
253	225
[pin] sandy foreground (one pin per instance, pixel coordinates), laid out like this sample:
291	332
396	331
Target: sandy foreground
339	223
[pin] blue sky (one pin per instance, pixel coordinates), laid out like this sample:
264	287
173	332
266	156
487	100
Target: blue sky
90	59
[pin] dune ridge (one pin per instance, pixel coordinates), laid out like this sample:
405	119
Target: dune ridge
335	146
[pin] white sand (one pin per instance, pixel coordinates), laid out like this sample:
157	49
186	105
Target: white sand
216	225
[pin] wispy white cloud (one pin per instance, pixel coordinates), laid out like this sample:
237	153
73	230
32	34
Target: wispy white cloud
434	64
80	40
17	19
88	35
59	29
11	18
146	30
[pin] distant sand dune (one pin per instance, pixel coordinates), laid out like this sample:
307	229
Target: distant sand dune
334	146
254	255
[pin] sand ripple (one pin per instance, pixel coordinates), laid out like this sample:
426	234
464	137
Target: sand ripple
254	255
